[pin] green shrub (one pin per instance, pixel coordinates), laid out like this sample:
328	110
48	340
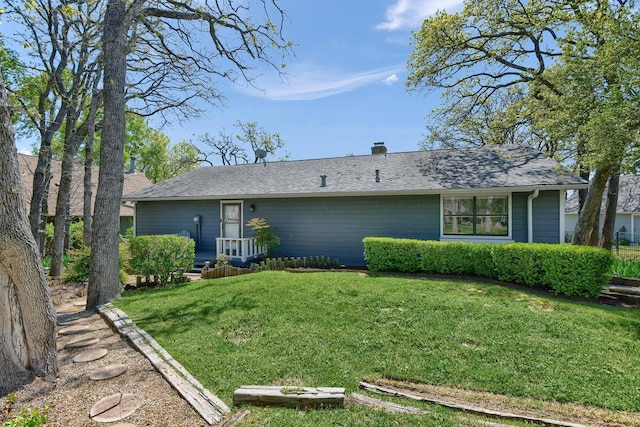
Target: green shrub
80	260
28	418
78	270
392	254
76	235
161	256
623	241
561	269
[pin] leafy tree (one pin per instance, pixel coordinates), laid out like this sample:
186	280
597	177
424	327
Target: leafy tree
156	158
57	91
575	63
235	41
27	316
232	150
10	65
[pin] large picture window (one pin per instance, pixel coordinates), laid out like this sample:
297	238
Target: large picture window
476	215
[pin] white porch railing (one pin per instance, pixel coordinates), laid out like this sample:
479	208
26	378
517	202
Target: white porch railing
238	249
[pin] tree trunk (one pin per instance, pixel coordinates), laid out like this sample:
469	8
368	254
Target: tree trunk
42	241
61	220
591	209
27	317
608	226
41	179
88	189
104	280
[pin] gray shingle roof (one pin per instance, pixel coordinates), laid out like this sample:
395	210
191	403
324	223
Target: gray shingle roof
416	172
628	197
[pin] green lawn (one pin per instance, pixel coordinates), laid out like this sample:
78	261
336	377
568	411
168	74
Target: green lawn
333	329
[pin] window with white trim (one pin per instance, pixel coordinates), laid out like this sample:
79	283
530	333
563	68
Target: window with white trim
475	215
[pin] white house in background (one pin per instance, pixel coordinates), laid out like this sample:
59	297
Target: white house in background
627	212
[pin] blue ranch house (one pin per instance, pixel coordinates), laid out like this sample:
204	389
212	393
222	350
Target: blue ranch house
325	207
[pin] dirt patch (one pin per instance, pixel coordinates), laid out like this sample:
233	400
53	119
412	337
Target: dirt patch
71	398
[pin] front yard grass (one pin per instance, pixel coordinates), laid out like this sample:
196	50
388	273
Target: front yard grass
334	329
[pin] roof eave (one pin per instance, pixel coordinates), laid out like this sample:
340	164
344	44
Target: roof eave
375	193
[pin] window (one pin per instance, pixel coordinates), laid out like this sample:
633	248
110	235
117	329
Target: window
475	215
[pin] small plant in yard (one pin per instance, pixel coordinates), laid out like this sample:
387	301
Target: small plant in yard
265	234
222	261
26	418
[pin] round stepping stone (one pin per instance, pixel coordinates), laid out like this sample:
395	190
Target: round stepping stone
85	342
106	372
90	355
114	408
74	330
80	303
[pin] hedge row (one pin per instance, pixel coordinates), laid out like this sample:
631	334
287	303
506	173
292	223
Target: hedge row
562	269
161	256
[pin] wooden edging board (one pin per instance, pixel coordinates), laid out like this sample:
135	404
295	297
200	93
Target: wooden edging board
467	408
211	408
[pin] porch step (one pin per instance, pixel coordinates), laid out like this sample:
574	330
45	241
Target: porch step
198	264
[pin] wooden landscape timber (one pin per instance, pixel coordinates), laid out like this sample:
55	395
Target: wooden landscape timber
290	397
466	408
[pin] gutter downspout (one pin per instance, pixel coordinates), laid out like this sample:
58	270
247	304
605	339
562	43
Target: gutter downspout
532	196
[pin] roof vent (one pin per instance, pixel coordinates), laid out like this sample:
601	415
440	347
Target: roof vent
378	148
323	180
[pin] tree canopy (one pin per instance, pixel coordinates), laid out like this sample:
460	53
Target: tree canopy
572	64
166	35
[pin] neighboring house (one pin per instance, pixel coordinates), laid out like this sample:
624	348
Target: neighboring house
132	181
325	207
627	211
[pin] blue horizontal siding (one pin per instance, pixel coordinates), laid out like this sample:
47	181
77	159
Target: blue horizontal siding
335	226
546	217
175	217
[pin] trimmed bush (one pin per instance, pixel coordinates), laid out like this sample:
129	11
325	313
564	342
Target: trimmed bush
561	269
393	254
80	260
161	256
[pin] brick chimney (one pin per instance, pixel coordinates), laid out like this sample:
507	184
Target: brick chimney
378	148
132	165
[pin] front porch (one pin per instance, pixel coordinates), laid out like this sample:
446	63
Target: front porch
239	250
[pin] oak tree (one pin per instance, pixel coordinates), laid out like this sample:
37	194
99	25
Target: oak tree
575	62
27	316
237	36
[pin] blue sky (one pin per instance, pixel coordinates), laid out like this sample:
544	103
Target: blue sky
345	87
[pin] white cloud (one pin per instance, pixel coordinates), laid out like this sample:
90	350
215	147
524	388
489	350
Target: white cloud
391	79
408	14
307	82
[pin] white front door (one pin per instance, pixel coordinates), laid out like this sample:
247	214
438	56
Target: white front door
232	220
